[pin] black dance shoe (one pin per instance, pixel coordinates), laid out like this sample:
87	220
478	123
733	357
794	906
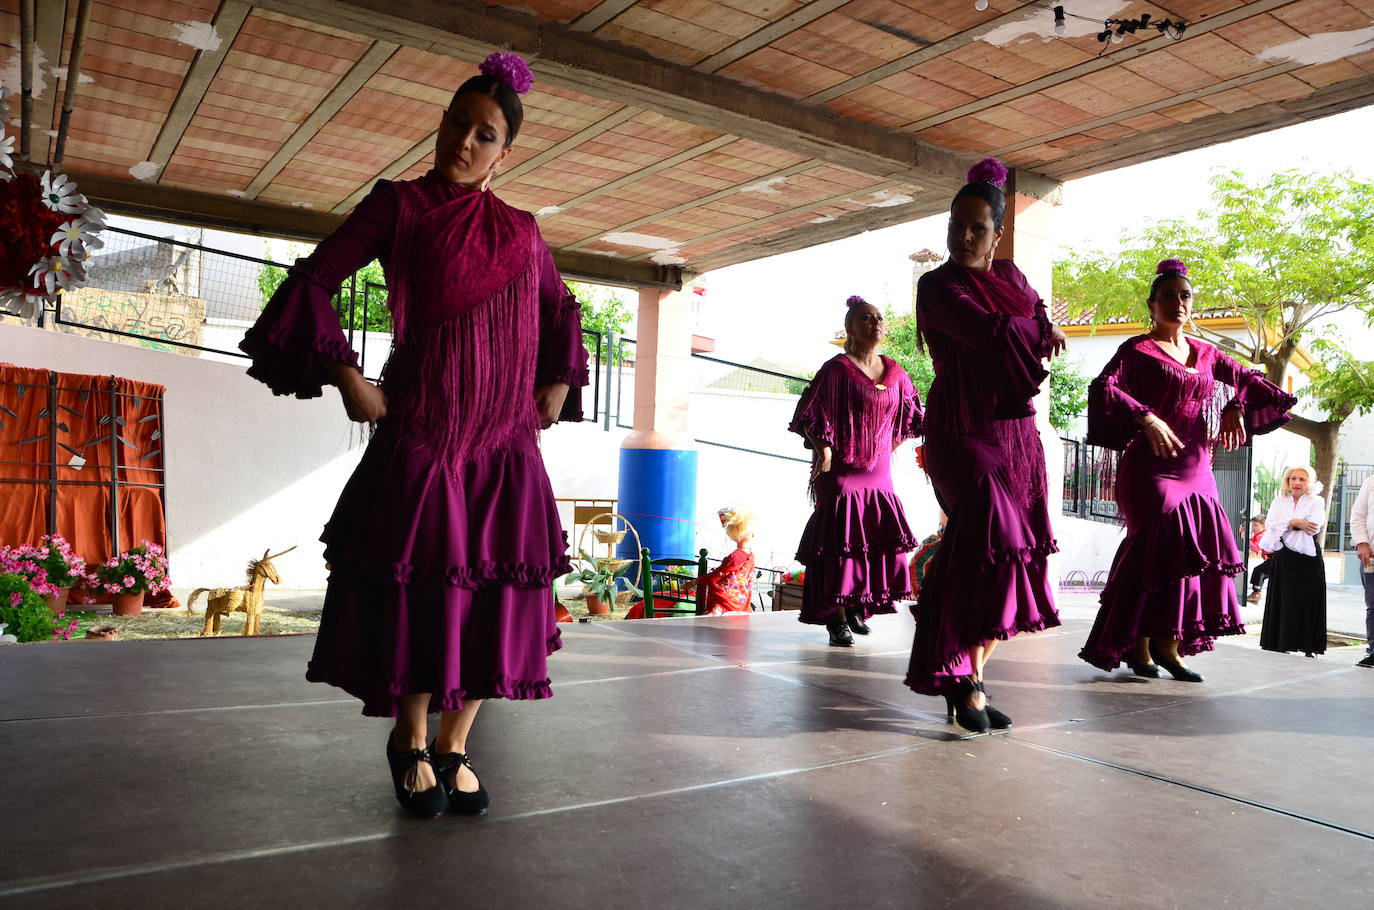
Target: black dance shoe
949	708
839	631
420	803
974	720
855	618
1149	671
1175	669
996	719
446	765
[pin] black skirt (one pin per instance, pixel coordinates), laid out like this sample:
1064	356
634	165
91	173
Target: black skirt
1295	608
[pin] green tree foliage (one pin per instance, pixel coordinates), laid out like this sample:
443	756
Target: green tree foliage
1068	393
368	293
604	310
900	345
1284	253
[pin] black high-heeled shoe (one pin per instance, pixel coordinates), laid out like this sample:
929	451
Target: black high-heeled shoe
949	708
1176	669
1149	671
420	803
839	631
975	720
854	616
996	719
446	765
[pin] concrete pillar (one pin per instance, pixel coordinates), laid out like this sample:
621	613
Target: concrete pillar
1029	239
658	460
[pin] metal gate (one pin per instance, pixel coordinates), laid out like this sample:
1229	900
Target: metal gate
1232	471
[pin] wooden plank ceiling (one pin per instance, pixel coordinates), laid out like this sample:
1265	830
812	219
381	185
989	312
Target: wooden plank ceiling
665	136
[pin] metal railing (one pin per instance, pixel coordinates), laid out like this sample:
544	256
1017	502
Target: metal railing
173	295
765	399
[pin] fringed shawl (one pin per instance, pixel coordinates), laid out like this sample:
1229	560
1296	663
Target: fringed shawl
463	281
861	420
987	333
1142	379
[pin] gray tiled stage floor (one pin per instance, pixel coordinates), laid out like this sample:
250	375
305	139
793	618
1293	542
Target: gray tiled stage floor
692	763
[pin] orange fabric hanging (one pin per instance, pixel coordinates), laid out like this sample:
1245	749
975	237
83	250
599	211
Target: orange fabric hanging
24	447
104	427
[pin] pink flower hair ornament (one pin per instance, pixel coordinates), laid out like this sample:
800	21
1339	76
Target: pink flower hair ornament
854	301
508	69
1172	267
989	170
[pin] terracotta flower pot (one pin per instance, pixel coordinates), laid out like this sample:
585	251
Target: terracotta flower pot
561	614
128	604
58	602
596	606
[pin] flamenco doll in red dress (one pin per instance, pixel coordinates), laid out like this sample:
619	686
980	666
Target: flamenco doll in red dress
729	586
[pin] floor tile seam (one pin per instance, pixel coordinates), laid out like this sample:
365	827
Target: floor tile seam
909	712
1126	712
670	644
91	877
1198	788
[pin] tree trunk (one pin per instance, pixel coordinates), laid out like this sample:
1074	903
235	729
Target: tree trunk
1324	436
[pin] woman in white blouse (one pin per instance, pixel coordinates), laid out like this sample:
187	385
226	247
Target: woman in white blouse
1295	610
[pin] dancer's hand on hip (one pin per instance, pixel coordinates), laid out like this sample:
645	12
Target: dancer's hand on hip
549	401
363	401
820	463
1161	437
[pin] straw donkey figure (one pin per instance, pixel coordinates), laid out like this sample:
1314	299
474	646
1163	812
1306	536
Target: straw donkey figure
246	599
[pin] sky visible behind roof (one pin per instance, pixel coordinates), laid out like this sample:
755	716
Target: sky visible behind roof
787	307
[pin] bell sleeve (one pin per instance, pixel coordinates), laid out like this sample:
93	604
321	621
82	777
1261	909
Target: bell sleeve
908	423
562	356
1264	406
1112	412
814	418
1017	344
298	326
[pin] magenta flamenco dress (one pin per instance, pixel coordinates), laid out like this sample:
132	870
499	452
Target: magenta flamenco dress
446	539
1173	575
987	333
853	543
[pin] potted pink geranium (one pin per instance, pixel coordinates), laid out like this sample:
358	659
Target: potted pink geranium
129	576
51	568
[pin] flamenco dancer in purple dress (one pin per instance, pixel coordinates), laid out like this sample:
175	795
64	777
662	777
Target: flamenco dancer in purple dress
446	538
859	407
1171	590
987	332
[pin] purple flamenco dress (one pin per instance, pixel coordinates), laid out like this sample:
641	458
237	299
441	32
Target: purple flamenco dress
446	539
853	543
987	333
1173	575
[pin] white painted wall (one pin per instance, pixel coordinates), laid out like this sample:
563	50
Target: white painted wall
246	470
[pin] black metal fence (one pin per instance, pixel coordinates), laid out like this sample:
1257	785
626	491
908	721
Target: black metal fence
755	401
1089	481
170	294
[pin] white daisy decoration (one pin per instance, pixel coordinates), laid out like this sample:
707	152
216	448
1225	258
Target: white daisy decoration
60	195
7	152
77	237
56	273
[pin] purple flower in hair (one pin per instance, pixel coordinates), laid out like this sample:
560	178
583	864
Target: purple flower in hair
989	170
1171	266
509	70
854	301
